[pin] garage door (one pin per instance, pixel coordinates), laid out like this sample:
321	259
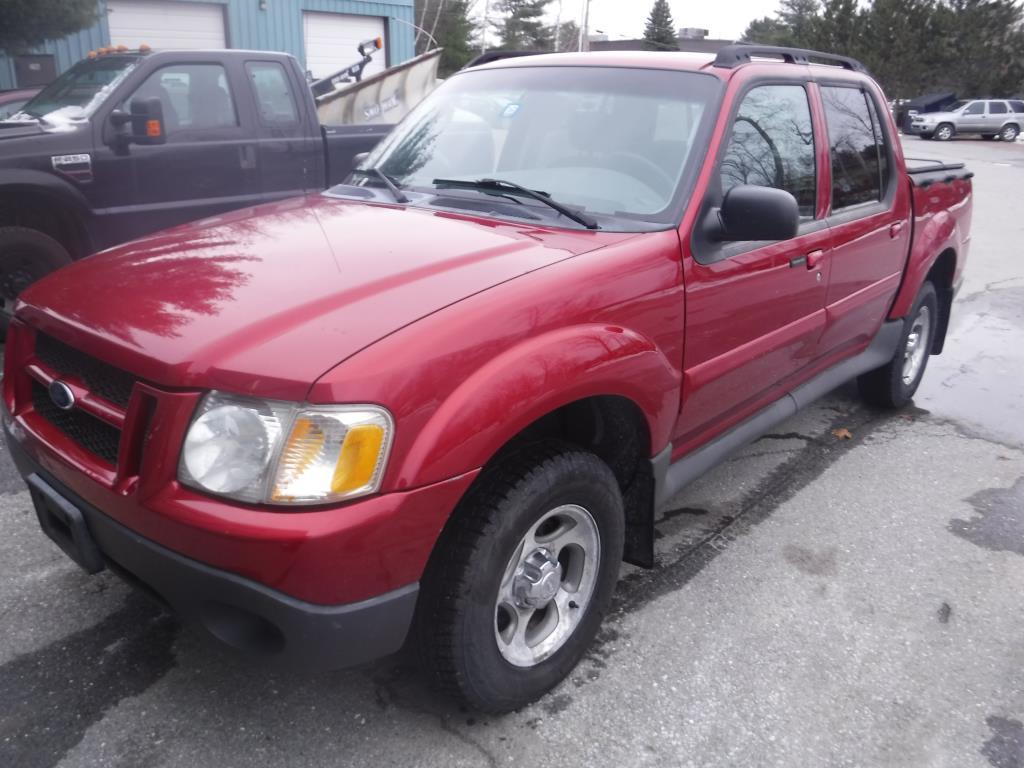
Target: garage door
165	24
331	40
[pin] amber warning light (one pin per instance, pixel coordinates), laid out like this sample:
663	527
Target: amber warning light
153	128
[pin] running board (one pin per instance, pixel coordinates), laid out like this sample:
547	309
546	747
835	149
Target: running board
671	478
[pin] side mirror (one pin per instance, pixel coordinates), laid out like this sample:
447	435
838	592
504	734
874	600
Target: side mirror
357	159
755	213
146	119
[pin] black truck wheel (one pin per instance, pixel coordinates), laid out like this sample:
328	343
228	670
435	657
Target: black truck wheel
892	385
25	256
522	577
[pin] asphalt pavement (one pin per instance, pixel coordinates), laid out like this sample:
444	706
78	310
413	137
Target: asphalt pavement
819	600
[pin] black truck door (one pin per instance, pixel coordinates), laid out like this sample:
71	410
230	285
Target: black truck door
209	164
290	150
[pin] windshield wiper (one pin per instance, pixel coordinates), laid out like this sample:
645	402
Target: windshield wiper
508	187
387	181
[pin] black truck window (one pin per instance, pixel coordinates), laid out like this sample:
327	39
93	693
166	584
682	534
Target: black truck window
772	144
195	97
859	158
274	98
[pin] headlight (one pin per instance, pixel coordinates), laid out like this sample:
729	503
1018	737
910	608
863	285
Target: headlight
268	451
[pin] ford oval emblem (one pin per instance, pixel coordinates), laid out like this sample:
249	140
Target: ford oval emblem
62	396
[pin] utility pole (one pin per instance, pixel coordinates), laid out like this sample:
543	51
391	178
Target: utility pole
584	31
483	28
558	25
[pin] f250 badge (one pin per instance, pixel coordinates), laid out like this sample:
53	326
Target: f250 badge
77	167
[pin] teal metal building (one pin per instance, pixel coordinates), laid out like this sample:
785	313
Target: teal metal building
321	34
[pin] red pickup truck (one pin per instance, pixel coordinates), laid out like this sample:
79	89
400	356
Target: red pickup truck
444	400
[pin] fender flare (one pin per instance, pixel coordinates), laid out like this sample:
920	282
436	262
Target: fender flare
941	233
62	192
512	390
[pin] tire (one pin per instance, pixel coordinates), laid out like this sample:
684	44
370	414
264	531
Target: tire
1009	132
894	384
25	256
549	517
944	132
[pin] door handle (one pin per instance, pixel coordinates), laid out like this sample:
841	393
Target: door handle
811	260
895	229
247	156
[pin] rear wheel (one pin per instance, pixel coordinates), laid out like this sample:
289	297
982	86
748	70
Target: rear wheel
1009	133
522	577
944	132
894	384
25	256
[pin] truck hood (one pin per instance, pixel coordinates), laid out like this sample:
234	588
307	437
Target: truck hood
265	300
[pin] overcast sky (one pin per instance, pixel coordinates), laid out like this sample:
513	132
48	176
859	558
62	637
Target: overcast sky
625	18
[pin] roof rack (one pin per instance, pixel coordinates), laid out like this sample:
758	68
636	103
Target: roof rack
734	55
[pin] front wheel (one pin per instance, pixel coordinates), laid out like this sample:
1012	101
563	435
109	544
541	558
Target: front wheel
894	384
25	256
944	132
521	578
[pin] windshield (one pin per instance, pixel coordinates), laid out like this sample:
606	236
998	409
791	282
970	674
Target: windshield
80	90
609	141
956	105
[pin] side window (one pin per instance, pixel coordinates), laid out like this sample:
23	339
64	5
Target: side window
859	158
997	108
772	144
975	108
274	98
1017	106
195	98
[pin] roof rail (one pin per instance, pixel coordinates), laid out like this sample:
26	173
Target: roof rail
489	56
734	55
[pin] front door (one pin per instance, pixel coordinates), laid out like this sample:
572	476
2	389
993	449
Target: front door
973	118
754	310
208	165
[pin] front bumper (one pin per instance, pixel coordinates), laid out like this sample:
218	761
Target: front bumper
920	128
239	612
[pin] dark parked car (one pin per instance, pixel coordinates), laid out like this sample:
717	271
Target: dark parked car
126	143
445	402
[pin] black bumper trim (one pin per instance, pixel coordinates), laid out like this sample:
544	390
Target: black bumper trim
240	612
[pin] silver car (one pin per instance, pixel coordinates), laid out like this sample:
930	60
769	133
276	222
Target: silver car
988	117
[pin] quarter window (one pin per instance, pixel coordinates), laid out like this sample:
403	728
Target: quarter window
997	108
859	158
772	144
274	97
195	98
1017	106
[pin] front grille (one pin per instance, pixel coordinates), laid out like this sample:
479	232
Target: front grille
101	379
94	435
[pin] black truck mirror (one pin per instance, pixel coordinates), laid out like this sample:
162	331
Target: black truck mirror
750	212
147	119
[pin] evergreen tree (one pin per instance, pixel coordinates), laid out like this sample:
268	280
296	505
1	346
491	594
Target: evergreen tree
521	26
449	24
568	37
660	32
768	31
25	23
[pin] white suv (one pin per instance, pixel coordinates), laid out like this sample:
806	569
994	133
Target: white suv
988	117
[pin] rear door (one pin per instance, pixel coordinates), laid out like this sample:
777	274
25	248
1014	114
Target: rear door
755	310
868	215
290	150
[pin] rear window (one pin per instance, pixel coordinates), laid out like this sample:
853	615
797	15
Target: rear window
1017	106
859	157
274	98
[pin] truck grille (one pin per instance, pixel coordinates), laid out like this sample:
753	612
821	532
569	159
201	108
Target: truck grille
94	435
104	380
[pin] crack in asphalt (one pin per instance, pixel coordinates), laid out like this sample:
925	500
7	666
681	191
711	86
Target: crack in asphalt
53	695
